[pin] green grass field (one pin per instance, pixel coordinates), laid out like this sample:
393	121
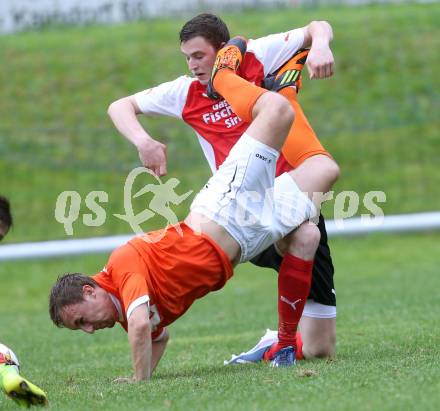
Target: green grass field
388	350
378	116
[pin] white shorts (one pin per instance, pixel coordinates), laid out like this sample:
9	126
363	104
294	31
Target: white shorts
317	310
244	197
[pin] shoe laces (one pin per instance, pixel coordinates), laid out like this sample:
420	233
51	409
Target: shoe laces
284	357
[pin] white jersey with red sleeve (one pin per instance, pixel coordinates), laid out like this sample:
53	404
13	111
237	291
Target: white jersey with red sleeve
216	125
271	52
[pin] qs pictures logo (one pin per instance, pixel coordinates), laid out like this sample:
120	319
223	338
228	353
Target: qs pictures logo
162	196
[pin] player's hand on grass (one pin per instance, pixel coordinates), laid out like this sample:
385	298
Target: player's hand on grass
153	156
21	391
320	62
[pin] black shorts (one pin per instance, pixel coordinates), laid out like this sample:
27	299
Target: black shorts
323	288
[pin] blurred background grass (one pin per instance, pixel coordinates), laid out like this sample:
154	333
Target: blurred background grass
378	116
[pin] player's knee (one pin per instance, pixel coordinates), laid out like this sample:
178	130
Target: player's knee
323	348
325	167
284	109
308	236
331	170
304	241
281	110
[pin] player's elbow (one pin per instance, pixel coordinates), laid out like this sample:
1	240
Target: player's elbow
123	105
113	108
163	339
139	326
166	336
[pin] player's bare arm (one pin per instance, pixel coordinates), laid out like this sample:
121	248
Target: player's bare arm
158	349
152	153
139	336
320	61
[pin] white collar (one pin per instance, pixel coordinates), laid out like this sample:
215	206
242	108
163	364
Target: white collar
118	307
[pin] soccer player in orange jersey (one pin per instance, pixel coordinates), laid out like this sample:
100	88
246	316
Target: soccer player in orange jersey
149	283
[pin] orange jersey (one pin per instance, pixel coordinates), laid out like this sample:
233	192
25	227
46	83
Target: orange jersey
169	274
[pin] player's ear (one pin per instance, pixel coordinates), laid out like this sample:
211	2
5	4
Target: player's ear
88	290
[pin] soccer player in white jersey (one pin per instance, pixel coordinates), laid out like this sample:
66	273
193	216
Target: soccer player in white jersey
218	128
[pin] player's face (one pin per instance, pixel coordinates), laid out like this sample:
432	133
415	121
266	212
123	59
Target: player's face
96	312
200	57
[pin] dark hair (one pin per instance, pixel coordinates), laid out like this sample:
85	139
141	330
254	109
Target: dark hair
66	291
5	212
208	26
